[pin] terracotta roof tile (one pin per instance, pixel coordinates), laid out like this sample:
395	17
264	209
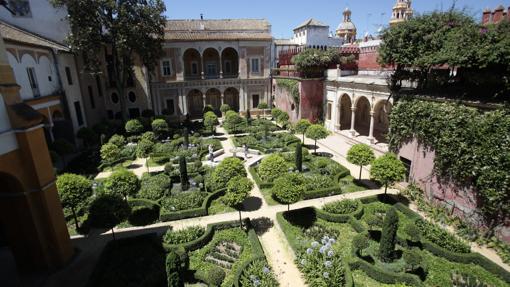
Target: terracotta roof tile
16	34
210	30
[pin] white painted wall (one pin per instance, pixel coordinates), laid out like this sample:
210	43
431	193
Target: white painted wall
315	36
46	20
73	92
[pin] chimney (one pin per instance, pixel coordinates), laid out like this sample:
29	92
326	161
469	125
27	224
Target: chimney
497	16
201	16
486	16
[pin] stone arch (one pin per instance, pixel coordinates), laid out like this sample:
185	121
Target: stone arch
232	98
382	110
211	58
46	75
213	98
195	102
345	112
362	119
192	64
230	62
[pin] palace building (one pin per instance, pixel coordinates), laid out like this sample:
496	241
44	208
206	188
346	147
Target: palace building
212	62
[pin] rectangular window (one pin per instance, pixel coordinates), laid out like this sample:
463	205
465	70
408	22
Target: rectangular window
228	67
329	111
255	65
211	70
91	97
166	68
79	116
170	106
255	101
109	114
407	163
21	8
98	84
33	81
194	68
69	76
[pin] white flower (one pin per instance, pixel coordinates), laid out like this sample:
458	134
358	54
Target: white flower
315	244
325	275
303	262
331	253
328	264
323	249
309	251
332	241
265	270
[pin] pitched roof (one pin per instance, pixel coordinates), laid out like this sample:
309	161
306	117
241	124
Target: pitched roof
311	23
224	29
12	33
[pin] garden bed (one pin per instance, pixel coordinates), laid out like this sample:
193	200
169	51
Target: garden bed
439	251
324	177
273	142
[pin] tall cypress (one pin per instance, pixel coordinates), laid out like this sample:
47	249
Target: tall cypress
184	173
388	235
186	137
299	157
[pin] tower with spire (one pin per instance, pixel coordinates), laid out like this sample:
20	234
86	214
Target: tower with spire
347	30
402	11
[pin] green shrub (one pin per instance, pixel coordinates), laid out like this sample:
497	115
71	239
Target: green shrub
134	127
174	269
388	235
272	167
143	212
413	259
88	136
360	154
342	206
412	232
441	237
183	201
232	121
108	210
144	148
183	173
149	136
299	157
183	236
360	242
159	127
122	182
226	170
154	187
275	113
210	120
387	170
118	140
318	181
258	270
215	276
327	166
224	108
74	190
289	188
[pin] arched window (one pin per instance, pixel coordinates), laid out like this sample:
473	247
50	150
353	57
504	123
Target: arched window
115	98
132	97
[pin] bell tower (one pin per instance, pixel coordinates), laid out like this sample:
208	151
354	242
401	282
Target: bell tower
402	11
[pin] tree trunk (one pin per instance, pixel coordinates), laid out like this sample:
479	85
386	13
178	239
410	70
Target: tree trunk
113	234
75	219
315	146
240	219
360	169
303	138
385	188
288	207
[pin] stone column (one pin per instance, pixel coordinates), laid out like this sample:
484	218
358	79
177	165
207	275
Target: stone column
221	67
339	118
371	132
353	120
222	97
203	99
203	67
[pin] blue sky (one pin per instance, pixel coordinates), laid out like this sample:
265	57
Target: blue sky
284	15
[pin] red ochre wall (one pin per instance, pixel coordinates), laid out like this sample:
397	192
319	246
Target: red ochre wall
312	97
368	60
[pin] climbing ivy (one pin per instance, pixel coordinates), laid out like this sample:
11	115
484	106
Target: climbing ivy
292	86
472	148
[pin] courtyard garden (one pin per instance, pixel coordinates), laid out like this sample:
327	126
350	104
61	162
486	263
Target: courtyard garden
379	241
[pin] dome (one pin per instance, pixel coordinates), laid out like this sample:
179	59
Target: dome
346	26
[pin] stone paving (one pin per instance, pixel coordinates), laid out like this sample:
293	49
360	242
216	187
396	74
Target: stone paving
278	252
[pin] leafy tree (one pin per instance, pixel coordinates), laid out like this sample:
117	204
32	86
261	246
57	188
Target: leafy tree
134	127
374	221
130	29
210	121
272	167
388	235
299	157
289	188
159	127
301	126
238	189
88	136
108	210
73	190
224	109
226	170
275	113
144	148
148	136
208	108
387	170
123	183
413	232
183	172
312	61
360	154
283	119
413	259
110	153
118	140
232	120
316	132
360	242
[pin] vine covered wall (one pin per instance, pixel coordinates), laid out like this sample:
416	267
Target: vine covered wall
292	86
472	148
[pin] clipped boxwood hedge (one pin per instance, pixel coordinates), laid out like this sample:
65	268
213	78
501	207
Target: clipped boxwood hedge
194	212
342	218
143	211
385	276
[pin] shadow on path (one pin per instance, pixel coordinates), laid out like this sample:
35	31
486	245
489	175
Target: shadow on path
261	225
252	203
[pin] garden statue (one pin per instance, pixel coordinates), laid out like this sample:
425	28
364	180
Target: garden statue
245	146
211	153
